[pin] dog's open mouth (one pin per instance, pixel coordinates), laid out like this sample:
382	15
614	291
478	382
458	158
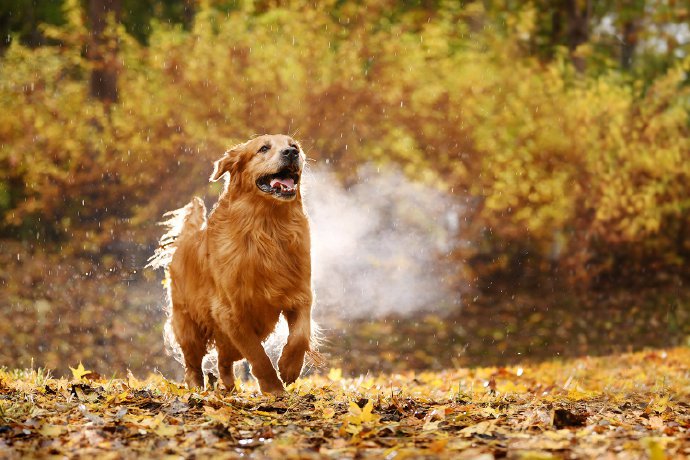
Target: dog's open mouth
282	184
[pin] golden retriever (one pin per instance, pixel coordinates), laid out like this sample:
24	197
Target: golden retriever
231	276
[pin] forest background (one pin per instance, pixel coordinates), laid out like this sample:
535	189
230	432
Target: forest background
557	131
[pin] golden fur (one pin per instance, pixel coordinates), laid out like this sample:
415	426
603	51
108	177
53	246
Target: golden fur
232	276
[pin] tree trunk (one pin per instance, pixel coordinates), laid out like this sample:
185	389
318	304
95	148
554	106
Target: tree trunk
556	27
629	44
102	51
188	11
578	14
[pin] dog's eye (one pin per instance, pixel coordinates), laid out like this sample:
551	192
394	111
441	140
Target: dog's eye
264	148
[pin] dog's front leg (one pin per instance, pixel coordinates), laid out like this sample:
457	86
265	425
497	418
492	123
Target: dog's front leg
249	344
237	328
292	357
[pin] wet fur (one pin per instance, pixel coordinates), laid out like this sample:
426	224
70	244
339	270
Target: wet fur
231	277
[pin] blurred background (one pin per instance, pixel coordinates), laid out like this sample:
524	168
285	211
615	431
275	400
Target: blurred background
492	181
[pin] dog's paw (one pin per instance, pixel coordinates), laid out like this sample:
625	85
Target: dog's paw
290	376
194	380
290	370
273	390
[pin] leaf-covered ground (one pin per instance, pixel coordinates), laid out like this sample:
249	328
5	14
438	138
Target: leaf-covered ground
109	315
625	406
506	330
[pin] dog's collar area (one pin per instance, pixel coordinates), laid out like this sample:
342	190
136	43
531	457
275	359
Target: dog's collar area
282	184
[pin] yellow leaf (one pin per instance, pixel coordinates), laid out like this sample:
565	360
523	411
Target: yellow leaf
153	422
165	430
368	384
174	389
660	404
328	412
79	372
361	415
218	415
654	447
484	427
118	397
431	426
353	429
335	374
52	431
86	397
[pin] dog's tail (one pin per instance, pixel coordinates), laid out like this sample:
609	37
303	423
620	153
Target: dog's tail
189	218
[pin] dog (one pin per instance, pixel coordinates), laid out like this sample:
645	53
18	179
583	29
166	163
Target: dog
231	276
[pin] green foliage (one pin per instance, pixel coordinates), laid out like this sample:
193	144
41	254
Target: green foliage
577	169
23	18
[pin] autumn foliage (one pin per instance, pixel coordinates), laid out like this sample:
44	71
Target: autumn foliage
633	407
583	172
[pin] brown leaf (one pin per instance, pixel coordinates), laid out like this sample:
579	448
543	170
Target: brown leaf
563	418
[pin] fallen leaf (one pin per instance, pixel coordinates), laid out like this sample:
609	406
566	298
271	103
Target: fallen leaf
335	375
79	372
52	431
361	415
563	418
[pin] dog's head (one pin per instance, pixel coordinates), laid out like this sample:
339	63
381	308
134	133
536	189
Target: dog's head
269	165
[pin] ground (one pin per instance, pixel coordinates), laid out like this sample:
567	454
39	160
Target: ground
625	406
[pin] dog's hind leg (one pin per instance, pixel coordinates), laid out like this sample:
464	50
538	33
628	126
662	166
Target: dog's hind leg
193	343
227	355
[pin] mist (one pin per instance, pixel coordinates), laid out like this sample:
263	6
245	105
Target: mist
379	244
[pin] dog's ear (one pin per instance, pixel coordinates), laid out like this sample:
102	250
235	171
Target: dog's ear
227	164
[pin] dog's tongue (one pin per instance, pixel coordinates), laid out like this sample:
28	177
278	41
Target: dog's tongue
287	182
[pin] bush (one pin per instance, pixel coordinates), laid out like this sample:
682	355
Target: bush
583	172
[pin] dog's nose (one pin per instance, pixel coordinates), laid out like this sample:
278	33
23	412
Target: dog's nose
291	153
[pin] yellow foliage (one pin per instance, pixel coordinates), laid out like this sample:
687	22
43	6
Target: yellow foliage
567	165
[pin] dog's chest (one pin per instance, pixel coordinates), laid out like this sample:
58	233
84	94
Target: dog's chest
264	265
